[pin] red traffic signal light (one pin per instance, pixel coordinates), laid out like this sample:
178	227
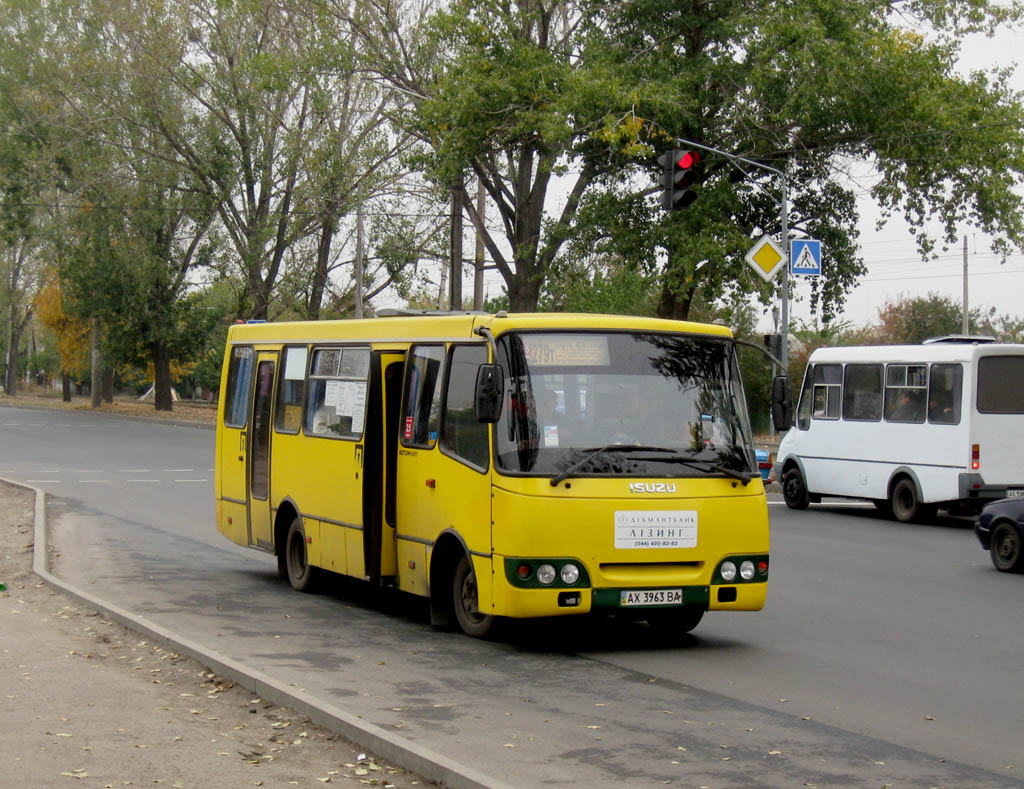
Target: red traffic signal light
680	171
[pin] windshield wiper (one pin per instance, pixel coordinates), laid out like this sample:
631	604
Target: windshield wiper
742	476
702	465
594	452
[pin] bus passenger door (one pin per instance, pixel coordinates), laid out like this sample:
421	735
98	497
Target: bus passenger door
381	454
260	522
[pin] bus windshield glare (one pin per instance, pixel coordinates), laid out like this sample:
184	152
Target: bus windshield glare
653	404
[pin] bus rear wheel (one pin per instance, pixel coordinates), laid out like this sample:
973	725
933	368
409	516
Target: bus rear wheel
1007	556
301	575
907	506
465	601
794	491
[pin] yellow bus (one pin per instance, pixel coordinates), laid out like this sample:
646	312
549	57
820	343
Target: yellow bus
506	465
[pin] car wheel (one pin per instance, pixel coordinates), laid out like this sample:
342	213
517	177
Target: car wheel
1007	556
301	575
793	489
906	504
465	601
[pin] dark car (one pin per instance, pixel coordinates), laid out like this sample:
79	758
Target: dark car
999	529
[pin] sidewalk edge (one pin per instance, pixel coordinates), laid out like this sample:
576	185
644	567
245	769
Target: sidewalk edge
394	748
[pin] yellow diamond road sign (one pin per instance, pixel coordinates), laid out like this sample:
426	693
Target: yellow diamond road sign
766	258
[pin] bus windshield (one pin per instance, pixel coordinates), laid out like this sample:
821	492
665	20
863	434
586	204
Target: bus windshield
638	404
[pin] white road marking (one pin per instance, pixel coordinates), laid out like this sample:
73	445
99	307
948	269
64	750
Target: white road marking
191	480
133	471
138	479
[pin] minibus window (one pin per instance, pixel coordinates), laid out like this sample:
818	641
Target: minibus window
236	409
828	380
803	413
422	396
945	393
461	434
336	404
1001	384
905	392
862	392
291	390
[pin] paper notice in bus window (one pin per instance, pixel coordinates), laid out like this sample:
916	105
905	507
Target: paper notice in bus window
295	364
332	394
656	529
571	350
351	401
292	417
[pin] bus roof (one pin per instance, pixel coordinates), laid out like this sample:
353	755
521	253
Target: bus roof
928	352
459	325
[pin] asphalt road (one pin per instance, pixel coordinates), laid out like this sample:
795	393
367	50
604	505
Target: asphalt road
887	654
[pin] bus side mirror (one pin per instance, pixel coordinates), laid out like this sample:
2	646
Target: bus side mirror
782	403
490	385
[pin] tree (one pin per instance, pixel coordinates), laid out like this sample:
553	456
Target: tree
912	319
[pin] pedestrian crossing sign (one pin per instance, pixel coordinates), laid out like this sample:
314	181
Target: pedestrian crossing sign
806	256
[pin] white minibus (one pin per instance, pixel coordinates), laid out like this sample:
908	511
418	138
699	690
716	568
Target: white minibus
910	427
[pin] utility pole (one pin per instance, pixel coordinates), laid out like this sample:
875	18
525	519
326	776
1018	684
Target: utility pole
966	329
359	261
455	262
478	271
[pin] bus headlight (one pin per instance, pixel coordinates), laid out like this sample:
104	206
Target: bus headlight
747	570
728	571
570	574
546	574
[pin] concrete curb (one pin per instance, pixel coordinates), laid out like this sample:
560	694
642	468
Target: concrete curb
396	749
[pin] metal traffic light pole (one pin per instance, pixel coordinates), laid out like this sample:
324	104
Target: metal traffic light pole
784	210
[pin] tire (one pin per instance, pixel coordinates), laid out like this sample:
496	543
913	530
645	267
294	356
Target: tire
794	491
676	621
1006	549
464	601
301	575
906	504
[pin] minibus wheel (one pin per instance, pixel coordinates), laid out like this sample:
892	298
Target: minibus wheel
301	575
794	491
907	505
464	598
1007	556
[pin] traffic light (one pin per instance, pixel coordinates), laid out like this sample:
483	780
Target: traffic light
773	342
680	171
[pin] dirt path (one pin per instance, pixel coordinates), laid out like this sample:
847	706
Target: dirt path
87	702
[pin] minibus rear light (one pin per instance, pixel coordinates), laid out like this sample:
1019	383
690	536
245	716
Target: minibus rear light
975	456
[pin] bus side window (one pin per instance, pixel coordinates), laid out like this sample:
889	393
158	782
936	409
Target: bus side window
862	392
236	405
803	414
905	392
336	403
945	389
291	390
461	434
828	381
422	396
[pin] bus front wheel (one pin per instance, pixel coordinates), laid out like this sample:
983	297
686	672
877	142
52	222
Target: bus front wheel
301	575
465	600
1007	556
794	491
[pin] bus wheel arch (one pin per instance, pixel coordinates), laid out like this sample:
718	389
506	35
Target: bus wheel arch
453	589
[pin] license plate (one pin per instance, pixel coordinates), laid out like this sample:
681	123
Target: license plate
634	597
1016	493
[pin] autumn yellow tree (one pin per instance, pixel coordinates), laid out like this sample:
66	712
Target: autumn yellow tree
72	333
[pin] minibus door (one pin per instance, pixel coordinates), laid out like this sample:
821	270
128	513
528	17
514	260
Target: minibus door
260	528
381	456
